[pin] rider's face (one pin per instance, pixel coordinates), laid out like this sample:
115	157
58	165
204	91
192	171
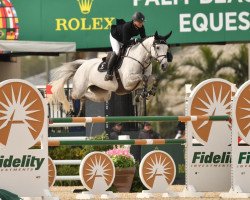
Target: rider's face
138	24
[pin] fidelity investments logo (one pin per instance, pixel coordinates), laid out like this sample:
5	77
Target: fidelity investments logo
21	123
84	23
21	115
208	159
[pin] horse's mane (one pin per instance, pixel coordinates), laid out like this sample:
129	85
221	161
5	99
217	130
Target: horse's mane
147	37
138	43
157	38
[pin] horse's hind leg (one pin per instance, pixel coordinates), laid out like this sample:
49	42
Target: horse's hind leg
78	93
100	96
81	108
76	108
79	86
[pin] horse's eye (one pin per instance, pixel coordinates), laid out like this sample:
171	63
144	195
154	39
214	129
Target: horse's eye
157	47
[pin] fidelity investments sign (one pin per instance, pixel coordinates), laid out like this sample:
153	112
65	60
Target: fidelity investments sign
23	123
84	23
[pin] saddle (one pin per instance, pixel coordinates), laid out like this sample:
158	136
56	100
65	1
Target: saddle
103	65
103	68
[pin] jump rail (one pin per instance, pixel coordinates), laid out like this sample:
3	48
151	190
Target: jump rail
56	143
137	119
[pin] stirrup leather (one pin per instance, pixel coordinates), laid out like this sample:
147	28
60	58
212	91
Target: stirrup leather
108	77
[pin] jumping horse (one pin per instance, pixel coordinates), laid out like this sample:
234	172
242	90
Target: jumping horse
134	72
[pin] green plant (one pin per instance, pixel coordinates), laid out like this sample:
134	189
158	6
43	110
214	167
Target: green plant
121	157
90	148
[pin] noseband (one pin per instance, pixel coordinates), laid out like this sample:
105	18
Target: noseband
168	55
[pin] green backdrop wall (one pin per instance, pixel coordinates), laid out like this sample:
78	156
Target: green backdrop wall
87	22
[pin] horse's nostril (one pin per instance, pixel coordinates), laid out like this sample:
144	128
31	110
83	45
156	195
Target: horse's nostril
163	67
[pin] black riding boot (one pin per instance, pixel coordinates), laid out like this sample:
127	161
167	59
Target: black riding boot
111	64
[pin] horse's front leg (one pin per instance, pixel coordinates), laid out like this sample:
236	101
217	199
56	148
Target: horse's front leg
132	80
153	90
143	94
145	87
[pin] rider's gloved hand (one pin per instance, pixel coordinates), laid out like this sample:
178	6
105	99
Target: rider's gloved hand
138	40
132	42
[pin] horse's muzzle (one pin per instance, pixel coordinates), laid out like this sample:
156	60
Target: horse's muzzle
169	56
164	67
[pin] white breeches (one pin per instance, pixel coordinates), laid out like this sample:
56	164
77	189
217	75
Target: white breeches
114	44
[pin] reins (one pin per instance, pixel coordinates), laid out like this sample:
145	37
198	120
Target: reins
143	68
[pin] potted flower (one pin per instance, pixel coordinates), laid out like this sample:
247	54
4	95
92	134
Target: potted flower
124	168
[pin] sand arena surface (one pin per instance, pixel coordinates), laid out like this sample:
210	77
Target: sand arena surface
66	193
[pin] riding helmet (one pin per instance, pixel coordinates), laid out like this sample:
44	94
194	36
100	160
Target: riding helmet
138	16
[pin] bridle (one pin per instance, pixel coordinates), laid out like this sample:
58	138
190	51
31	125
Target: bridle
168	55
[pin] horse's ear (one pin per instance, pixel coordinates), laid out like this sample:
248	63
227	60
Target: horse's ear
156	34
168	35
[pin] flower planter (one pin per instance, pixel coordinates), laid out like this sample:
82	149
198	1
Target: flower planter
124	178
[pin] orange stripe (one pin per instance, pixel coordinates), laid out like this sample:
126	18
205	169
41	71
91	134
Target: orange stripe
78	119
184	118
140	142
54	143
99	119
158	141
94	119
50	143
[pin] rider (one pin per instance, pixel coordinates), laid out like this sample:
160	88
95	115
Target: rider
121	35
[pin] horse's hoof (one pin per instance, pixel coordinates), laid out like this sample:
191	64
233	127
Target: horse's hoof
143	95
70	113
151	93
149	97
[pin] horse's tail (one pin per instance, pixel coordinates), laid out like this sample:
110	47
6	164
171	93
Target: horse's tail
63	74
